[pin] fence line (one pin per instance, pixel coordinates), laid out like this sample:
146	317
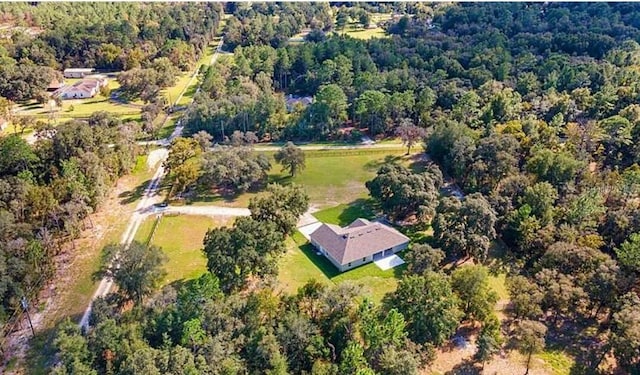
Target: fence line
154	229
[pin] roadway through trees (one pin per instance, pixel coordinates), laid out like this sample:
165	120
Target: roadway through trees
149	198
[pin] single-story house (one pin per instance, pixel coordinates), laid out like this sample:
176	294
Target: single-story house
77	72
87	88
359	243
291	102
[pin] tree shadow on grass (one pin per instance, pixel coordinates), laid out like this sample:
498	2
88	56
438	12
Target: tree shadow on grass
360	208
281	179
374	165
191	90
135	194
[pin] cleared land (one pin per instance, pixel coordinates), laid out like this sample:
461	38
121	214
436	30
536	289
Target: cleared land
360	33
180	237
79	108
331	177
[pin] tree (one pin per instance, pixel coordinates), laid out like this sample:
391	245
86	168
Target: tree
281	205
465	228
15	155
629	253
75	356
526	297
625	335
488	345
423	258
250	247
204	140
409	133
371	109
364	18
330	106
353	360
471	284
136	269
428	305
301	341
236	169
402	193
183	164
541	198
380	333
529	339
341	19
557	168
291	158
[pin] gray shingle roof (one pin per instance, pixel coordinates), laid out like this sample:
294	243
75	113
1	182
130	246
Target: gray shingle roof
360	239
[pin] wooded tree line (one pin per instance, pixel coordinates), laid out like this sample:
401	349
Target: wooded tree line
432	74
47	192
193	164
273	23
112	36
140	38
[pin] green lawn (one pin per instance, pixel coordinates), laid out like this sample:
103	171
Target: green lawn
497	283
331	178
172	93
559	362
78	108
365	34
345	214
169	126
180	237
301	264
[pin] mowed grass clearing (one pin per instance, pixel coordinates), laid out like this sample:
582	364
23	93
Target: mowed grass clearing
182	82
331	177
336	177
365	34
180	237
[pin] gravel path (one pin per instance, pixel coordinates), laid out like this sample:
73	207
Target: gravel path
208	210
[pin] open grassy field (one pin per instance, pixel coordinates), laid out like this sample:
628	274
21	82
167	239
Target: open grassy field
180	237
360	33
331	177
77	108
345	214
172	93
559	362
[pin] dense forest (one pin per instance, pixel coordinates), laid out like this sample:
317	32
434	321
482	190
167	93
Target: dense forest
531	108
47	192
50	187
